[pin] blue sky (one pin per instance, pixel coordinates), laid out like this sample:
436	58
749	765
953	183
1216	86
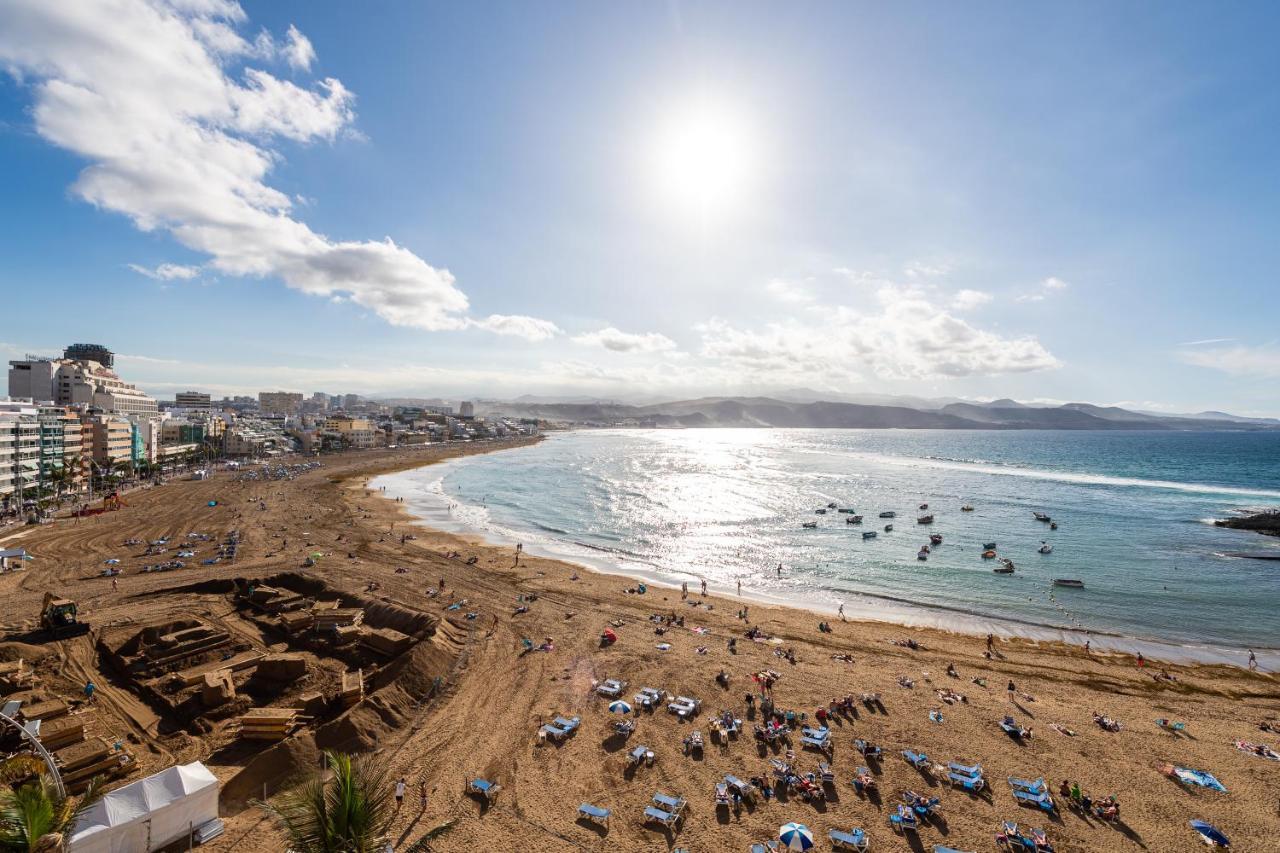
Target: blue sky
1071	202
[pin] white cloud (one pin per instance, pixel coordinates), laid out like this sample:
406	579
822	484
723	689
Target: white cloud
1206	342
967	300
515	325
167	272
297	49
1263	361
619	341
907	337
791	292
919	269
179	140
1049	286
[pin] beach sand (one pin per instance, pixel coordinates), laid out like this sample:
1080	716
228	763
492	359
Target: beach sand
483	723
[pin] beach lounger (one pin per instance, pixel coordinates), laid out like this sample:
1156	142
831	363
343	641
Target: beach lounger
942	848
568	725
484	788
855	839
916	760
648	697
1036	787
554	732
1027	798
722	794
904	820
972	784
825	772
971	770
672	804
625	727
866	750
595	814
818	734
814	743
641	755
611	687
745	789
659	816
766	847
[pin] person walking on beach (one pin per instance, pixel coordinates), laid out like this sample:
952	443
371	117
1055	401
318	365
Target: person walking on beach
1253	661
991	638
684	590
519	548
704	588
1013	690
842	611
1086	646
400	786
1141	661
115	585
740	595
779	569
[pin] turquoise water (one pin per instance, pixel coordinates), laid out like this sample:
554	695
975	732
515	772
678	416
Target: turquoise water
728	505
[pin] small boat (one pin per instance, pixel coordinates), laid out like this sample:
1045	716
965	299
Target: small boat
1053	525
810	525
925	519
1007	563
820	512
1071	582
967	508
868	534
1045	548
936	538
889	514
888	528
1003	570
1040	516
845	510
853	519
989	554
923	554
924	506
924	549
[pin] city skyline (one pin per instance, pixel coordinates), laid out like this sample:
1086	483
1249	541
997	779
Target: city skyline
1051	205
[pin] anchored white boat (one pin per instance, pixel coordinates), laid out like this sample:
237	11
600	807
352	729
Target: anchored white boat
1045	548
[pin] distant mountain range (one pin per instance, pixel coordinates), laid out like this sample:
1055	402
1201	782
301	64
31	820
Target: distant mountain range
885	413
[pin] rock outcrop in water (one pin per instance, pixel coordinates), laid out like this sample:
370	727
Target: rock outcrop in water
1266	523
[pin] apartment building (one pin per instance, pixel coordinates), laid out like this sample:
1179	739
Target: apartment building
67	382
112	440
19	450
279	402
193	400
353	432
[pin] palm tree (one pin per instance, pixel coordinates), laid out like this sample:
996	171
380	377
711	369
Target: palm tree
34	818
348	813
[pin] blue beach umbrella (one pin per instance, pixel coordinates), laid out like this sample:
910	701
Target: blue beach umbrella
1210	833
617	706
796	836
113	561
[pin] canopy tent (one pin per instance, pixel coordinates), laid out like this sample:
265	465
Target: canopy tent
148	814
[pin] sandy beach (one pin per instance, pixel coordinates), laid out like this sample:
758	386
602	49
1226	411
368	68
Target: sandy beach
494	695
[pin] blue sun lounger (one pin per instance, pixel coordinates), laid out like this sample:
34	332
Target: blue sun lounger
745	790
767	847
568	725
484	788
853	840
971	770
555	732
817	734
917	760
972	784
1026	798
672	804
659	816
594	813
904	820
639	755
813	743
1036	787
942	848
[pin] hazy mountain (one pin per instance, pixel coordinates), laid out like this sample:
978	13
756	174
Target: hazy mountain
773	412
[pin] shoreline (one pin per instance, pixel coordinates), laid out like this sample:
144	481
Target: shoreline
867	608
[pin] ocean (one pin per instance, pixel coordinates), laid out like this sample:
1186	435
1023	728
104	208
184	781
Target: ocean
728	505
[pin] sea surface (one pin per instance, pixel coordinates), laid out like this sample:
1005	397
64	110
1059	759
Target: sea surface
727	506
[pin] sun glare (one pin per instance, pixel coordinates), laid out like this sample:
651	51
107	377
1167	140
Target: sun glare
702	160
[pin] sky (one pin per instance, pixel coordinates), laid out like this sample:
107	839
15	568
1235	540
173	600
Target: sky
1053	202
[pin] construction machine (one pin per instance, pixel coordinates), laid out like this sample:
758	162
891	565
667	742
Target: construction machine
58	617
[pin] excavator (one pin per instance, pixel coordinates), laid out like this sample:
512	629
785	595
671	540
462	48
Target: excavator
58	617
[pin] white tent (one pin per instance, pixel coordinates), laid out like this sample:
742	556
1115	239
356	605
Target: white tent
148	814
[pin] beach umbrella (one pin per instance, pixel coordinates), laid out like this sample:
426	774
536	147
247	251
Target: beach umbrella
617	706
1210	833
795	836
113	561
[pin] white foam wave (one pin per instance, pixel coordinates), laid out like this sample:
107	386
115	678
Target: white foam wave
1068	476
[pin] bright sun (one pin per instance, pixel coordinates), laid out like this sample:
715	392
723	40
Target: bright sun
702	160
